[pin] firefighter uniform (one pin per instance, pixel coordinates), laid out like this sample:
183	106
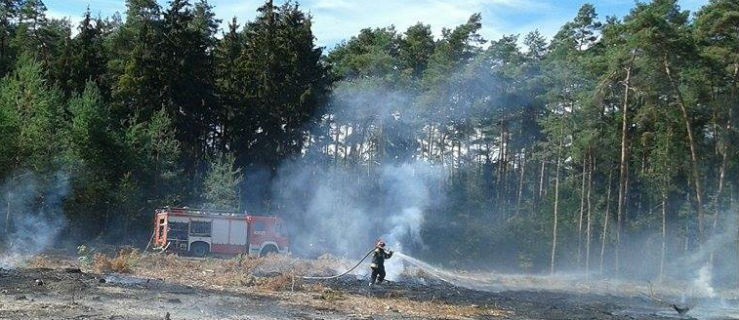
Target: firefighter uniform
378	263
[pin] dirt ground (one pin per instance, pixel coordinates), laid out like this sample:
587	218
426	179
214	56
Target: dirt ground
240	288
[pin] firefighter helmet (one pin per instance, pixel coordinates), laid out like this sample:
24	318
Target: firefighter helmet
381	244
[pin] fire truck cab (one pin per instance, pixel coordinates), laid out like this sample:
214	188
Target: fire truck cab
199	232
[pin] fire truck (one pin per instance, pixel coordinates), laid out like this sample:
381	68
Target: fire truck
200	232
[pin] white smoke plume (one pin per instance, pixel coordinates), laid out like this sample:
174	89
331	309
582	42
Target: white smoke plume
703	281
345	209
32	216
338	213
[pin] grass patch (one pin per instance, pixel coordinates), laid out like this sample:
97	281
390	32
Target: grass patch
124	261
283	282
42	262
329	295
273	277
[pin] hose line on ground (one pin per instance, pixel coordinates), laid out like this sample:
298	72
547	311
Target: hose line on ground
345	272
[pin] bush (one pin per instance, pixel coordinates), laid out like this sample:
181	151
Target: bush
282	282
41	262
123	262
85	255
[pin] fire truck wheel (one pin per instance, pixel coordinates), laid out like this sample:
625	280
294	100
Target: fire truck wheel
268	250
199	249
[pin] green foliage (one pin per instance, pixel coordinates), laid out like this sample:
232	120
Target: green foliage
415	49
222	184
85	255
372	53
10	128
158	110
88	59
33	110
286	84
456	47
94	157
153	153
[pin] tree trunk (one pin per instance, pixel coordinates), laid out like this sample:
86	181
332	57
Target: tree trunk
7	216
582	210
588	228
502	154
623	164
431	143
724	151
505	163
556	203
520	184
456	157
606	218
337	136
541	179
733	206
719	192
442	147
692	144
663	252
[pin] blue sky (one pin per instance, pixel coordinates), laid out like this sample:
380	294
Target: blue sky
336	20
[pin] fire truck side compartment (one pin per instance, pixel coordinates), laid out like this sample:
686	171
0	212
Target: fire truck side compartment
200	232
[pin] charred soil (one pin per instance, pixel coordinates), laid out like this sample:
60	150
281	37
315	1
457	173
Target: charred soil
165	287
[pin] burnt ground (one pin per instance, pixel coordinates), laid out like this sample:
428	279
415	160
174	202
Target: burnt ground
69	293
43	293
523	304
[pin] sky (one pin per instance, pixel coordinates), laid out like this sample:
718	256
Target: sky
337	20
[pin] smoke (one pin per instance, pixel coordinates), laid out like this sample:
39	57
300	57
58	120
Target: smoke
32	215
409	192
346	212
703	265
345	209
703	282
406	225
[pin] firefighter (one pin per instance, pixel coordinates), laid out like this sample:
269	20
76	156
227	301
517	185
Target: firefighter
378	263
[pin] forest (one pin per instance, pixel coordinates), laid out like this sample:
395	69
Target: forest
609	149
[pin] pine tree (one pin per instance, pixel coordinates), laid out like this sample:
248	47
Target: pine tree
229	86
89	58
27	97
222	184
9	10
286	84
93	153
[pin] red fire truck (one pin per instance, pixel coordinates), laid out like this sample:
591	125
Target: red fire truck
200	232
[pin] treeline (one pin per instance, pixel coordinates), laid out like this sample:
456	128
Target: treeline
610	148
153	110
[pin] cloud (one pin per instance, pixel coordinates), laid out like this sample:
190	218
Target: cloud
242	10
75	9
337	20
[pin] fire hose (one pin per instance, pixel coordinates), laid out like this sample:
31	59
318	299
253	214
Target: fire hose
345	272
